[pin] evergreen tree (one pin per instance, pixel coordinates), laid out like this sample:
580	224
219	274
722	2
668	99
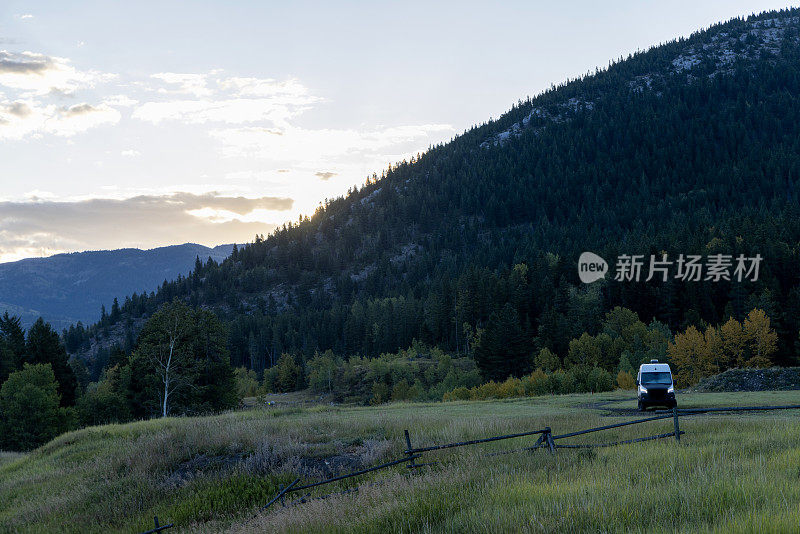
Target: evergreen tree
502	349
14	336
8	360
43	346
115	312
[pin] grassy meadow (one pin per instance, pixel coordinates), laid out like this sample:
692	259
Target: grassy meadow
731	472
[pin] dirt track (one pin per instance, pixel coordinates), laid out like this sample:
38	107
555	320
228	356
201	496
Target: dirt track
628	409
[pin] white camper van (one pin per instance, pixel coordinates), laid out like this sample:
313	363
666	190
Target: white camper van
655	387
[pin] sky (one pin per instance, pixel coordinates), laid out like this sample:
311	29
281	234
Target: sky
144	124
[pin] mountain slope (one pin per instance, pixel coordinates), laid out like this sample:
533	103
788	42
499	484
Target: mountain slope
688	148
67	288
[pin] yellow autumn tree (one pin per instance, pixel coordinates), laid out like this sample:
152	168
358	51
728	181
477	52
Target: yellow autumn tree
690	357
712	357
733	343
760	338
625	380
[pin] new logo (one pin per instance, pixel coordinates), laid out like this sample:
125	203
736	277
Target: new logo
591	267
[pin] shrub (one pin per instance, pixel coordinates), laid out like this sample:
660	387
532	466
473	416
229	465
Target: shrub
511	388
380	392
460	393
575	380
537	383
625	380
547	361
29	408
246	382
578	377
599	380
285	376
562	382
100	406
104	401
489	390
417	391
322	372
400	391
418	373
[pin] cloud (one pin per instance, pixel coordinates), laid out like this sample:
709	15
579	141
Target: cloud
23	118
239	205
18	109
235	111
227	100
41	227
80	117
38	74
78	110
251	120
24	63
120	101
194	84
25	16
260	87
324	176
36	84
323	145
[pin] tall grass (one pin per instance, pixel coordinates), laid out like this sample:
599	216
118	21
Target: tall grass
730	473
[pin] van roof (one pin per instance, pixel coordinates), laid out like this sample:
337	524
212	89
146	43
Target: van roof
654	368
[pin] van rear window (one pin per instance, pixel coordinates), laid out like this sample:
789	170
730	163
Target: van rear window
656	378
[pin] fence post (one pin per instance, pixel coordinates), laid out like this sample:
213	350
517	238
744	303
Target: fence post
548	437
677	427
409	452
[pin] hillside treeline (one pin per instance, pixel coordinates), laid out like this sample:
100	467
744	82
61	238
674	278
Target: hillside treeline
692	162
180	365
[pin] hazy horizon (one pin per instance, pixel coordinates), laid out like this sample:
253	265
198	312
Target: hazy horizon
146	249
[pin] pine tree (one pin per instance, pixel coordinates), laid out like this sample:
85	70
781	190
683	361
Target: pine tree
42	347
11	330
502	348
115	313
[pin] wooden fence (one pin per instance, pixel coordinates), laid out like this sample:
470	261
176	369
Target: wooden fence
546	440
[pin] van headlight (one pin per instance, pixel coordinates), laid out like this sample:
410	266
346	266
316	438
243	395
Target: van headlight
642	389
671	389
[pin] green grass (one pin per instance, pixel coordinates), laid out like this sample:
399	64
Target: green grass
9	456
732	472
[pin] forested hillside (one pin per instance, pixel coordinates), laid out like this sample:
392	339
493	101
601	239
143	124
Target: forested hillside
67	288
692	147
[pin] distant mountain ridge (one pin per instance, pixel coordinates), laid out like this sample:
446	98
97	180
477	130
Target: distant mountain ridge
67	288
